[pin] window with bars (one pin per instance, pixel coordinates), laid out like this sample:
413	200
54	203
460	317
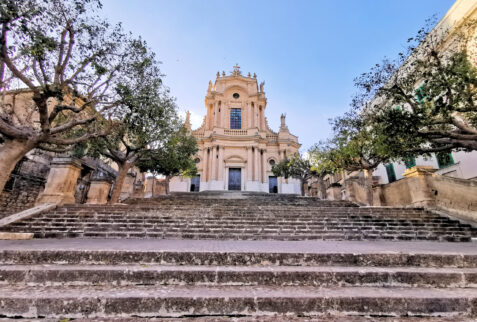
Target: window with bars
390	172
235	118
444	159
410	162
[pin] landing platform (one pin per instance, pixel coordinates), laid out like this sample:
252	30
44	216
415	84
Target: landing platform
241	246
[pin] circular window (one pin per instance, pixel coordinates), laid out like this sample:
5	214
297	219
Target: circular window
272	162
197	160
236	95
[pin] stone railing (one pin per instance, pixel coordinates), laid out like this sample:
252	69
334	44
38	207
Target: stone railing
422	188
272	137
235	132
198	134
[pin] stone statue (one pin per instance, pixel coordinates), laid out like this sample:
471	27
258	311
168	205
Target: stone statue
210	86
283	126
261	86
223	73
218	74
254	75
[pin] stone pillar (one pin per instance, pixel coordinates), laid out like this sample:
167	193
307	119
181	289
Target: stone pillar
138	191
205	165
249	164
61	182
207	118
264	166
99	191
417	179
220	166
214	164
249	115
256	164
216	114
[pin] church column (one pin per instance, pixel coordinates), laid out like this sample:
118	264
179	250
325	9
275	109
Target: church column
249	164
256	164
214	164
263	119
252	116
205	166
216	114
249	115
221	163
207	119
264	166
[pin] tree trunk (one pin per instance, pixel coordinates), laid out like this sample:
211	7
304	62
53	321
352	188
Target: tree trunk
322	188
11	152
168	179
118	185
302	187
369	186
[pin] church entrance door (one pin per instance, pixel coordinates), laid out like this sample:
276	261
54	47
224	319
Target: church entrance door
195	184
235	179
272	184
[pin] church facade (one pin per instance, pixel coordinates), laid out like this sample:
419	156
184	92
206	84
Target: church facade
237	149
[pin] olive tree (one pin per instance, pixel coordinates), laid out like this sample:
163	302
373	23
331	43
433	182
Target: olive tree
427	96
73	64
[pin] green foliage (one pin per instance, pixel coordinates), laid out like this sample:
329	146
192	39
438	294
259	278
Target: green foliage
173	158
357	144
63	50
436	89
295	167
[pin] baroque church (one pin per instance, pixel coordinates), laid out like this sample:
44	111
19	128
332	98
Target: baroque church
237	148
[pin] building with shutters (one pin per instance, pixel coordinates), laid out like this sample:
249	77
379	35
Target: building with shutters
237	149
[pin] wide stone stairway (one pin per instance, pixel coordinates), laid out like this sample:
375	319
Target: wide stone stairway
243	217
227	257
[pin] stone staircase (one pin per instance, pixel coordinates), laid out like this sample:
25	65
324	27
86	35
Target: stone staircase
279	281
234	257
243	217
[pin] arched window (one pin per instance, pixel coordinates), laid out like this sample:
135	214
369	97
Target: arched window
235	118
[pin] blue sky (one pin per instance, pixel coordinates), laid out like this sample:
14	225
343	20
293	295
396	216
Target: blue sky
307	51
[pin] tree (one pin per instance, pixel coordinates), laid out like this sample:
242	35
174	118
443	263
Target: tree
355	146
427	96
295	167
146	119
73	63
173	158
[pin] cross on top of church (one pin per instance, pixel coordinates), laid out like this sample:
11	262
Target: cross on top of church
236	71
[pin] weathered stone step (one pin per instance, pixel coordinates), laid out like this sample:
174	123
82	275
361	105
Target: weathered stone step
353	235
322	276
175	301
230	258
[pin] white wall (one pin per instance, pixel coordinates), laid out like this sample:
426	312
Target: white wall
465	167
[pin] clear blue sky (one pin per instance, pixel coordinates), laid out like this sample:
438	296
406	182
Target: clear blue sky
307	51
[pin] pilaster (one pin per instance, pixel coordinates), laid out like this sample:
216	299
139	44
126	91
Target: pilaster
61	182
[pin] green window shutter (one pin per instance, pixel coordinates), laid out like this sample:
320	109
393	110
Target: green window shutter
390	172
410	162
420	97
444	159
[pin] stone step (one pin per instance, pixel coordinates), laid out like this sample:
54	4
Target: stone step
322	276
245	235
176	301
96	256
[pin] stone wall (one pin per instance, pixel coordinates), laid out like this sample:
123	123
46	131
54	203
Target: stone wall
455	196
21	194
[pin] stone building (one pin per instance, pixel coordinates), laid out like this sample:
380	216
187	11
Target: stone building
458	165
237	149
